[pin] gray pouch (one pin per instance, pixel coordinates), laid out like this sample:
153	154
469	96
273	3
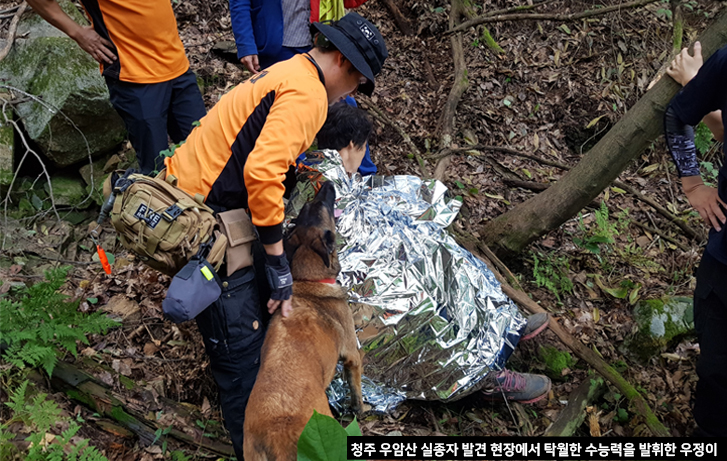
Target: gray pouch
195	287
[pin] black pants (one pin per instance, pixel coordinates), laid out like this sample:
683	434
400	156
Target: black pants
154	110
233	329
710	321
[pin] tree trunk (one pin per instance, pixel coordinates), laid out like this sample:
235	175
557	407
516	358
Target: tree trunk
511	232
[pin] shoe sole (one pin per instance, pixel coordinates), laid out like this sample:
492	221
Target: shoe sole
535	332
498	398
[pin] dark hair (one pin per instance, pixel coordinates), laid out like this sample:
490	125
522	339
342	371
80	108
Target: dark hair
345	124
321	43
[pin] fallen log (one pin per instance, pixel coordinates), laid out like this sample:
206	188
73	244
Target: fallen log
84	388
574	413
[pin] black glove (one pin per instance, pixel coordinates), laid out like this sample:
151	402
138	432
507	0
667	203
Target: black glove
279	277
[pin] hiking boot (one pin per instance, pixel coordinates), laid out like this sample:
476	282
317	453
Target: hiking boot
520	387
536	324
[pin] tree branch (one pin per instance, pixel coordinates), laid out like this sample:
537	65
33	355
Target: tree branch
547	16
11	31
686	228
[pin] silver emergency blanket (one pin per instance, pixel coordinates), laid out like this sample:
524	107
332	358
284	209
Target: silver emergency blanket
431	317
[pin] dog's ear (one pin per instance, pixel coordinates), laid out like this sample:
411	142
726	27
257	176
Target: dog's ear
291	245
324	246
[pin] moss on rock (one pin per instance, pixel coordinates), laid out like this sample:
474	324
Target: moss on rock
69	191
46	63
659	322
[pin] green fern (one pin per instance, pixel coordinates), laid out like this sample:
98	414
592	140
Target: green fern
702	138
40	323
551	272
41	415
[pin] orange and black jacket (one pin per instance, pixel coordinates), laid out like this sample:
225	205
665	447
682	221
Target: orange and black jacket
145	38
239	154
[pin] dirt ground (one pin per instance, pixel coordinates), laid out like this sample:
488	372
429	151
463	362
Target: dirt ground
552	92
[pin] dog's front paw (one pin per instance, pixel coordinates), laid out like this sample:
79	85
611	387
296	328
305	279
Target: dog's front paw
359	408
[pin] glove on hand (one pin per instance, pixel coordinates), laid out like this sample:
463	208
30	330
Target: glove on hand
279	277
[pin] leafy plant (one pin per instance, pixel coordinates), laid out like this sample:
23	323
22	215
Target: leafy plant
710	174
323	438
602	232
40	415
551	272
702	138
40	324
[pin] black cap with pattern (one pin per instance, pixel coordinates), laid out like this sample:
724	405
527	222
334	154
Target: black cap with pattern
360	42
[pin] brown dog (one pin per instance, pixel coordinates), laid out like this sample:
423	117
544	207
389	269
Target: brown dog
300	352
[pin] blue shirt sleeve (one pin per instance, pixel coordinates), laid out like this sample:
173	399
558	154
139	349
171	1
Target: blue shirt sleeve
242	28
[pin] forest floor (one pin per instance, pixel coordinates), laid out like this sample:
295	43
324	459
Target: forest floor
552	92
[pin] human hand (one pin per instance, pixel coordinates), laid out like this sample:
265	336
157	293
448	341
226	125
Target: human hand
706	201
684	67
251	62
98	47
281	284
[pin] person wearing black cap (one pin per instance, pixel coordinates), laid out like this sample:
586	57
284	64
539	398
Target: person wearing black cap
238	157
272	31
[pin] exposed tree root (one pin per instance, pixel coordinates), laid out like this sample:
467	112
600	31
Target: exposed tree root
661	234
447	121
399	18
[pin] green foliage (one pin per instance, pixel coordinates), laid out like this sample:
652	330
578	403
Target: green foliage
551	272
323	439
41	415
702	138
39	323
709	177
602	232
556	361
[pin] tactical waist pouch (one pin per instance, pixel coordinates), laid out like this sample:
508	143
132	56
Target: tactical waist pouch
162	224
192	290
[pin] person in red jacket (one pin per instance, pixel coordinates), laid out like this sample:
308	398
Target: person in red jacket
146	70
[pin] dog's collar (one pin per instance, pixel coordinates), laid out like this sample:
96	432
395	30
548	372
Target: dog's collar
331	281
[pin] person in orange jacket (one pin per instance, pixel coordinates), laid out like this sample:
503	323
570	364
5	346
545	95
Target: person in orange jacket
238	157
142	58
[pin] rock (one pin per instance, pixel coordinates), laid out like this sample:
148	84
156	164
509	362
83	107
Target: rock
69	191
659	322
226	50
101	168
45	63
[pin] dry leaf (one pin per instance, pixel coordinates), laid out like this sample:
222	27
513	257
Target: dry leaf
150	349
